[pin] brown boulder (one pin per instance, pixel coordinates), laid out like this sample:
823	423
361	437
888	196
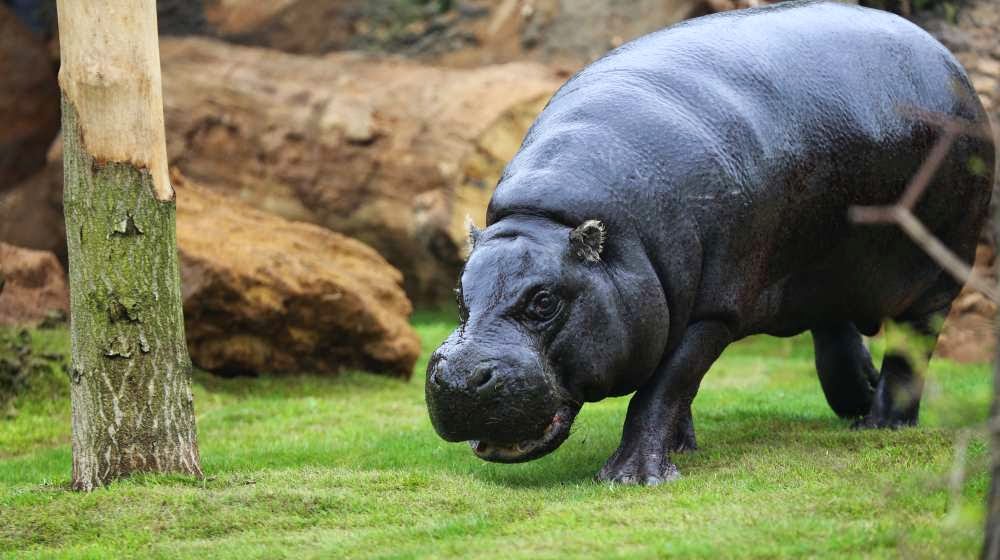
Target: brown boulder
321	26
31	214
296	26
574	31
29	101
32	286
470	33
264	294
969	333
388	151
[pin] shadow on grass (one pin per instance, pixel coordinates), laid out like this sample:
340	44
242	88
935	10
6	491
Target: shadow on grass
730	437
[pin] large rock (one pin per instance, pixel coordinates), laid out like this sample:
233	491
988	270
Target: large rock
388	151
181	17
969	333
471	32
31	214
574	31
264	294
320	26
32	286
261	293
974	36
297	26
29	101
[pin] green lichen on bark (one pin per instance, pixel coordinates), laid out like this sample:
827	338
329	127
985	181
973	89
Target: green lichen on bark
130	369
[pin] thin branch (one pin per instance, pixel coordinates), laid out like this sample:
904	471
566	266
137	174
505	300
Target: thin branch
915	189
915	229
943	255
963	127
902	215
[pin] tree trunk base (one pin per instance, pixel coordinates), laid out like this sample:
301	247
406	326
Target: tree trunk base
130	370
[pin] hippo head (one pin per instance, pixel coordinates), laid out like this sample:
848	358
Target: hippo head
545	326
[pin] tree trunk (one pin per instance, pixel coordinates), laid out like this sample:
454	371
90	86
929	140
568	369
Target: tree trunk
991	546
131	393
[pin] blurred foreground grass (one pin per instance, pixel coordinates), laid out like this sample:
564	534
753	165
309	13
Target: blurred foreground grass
308	466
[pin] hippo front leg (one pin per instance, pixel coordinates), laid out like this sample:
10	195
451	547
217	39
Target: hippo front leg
662	407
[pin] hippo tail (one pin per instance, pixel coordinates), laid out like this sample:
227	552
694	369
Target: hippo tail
845	369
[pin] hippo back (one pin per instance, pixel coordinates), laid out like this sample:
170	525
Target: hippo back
713	111
750	134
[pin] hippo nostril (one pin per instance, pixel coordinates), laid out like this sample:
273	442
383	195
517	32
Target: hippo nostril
435	371
481	377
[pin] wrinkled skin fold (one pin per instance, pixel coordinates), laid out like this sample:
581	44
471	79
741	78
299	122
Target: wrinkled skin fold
684	192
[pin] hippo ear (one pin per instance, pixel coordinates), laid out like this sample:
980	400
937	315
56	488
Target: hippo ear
474	233
587	240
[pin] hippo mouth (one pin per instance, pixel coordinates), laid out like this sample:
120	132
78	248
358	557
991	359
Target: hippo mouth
554	435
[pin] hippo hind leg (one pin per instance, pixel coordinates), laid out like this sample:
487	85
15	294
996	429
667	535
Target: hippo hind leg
910	342
683	439
845	369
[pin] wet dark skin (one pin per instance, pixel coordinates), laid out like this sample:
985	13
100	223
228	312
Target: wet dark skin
689	189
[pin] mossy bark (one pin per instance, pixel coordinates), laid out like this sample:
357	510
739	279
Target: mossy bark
130	370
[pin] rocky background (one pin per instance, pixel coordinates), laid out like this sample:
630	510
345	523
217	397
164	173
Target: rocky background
326	154
971	30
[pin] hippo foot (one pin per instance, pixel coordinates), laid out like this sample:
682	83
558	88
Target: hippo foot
639	470
872	422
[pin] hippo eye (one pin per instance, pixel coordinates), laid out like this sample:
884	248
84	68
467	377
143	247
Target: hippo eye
544	306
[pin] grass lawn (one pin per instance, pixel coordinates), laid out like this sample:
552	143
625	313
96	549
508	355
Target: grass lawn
309	466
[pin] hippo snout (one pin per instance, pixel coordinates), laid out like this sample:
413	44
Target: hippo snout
488	398
483	379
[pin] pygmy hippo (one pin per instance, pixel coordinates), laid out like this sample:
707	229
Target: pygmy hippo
692	188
